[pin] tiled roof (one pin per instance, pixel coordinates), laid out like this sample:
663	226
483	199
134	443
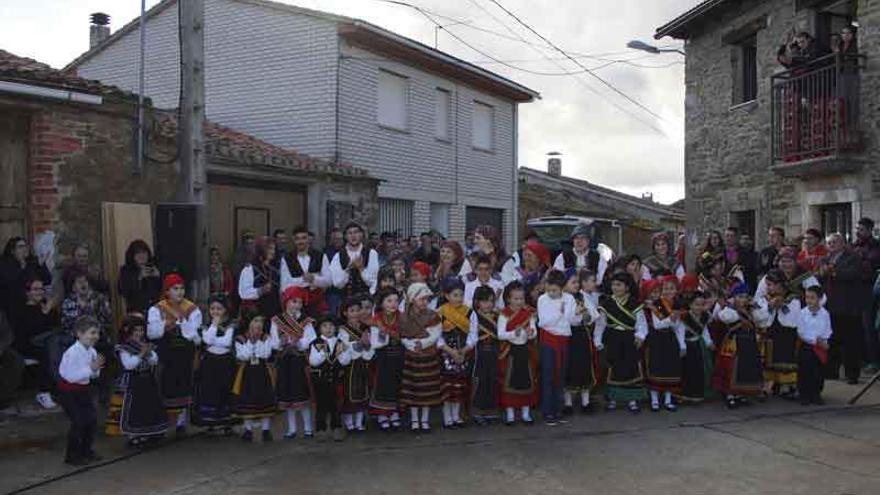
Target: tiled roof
30	71
223	142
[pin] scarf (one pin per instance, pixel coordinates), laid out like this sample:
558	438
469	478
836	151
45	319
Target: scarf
414	324
455	317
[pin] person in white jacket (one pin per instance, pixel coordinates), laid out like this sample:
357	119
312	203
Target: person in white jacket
173	325
213	399
780	337
308	268
814	330
556	311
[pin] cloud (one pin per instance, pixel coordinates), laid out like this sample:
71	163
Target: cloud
599	142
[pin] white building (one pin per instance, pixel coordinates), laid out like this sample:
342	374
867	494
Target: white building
439	132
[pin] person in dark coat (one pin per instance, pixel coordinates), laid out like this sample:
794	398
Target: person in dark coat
140	282
18	263
767	256
868	248
841	275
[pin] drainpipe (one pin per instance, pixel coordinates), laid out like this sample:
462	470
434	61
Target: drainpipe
514	223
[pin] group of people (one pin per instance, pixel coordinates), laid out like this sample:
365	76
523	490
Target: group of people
333	338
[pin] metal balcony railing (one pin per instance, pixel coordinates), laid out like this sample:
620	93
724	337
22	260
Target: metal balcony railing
815	109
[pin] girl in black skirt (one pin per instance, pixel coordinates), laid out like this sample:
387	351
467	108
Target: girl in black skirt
385	338
293	332
142	416
580	377
484	333
253	387
665	345
213	390
696	373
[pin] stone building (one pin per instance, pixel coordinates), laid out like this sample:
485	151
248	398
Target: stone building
767	146
627	222
67	147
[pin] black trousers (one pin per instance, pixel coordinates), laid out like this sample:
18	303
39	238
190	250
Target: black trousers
80	410
327	404
810	374
847	343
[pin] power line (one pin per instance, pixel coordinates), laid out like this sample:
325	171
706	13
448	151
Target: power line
560	50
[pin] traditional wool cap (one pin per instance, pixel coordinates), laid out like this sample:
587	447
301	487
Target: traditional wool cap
171	280
540	251
294	292
417	290
581	229
422	267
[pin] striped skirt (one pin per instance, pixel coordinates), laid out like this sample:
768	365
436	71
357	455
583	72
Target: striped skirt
421	385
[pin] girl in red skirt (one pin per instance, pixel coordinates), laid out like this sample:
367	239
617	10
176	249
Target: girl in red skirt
518	360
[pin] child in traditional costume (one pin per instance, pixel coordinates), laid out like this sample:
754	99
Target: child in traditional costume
173	324
814	331
80	364
620	333
697	363
665	345
484	334
254	389
457	351
778	334
328	356
580	376
738	371
421	386
259	281
213	390
385	339
356	375
292	332
556	310
142	415
518	361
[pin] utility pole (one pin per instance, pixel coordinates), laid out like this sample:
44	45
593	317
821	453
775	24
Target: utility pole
193	184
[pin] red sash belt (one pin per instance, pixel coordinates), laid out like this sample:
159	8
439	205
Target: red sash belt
559	344
66	386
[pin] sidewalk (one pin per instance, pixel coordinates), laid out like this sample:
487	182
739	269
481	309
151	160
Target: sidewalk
32	443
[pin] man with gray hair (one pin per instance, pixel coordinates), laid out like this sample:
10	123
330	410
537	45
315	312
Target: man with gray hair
841	275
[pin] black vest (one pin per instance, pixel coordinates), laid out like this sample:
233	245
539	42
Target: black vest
570	260
316	262
356	284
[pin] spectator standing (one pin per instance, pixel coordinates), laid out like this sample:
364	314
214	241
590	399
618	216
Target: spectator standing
868	249
767	256
426	253
812	251
140	282
841	274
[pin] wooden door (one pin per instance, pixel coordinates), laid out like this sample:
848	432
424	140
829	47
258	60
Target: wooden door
13	174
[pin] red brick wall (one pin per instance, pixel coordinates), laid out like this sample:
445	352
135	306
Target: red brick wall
54	138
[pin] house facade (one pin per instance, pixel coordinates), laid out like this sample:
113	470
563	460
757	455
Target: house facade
439	133
768	145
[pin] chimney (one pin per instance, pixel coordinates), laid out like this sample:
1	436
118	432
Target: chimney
648	196
99	30
554	164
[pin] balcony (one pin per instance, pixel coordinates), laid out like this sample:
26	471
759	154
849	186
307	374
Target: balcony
815	117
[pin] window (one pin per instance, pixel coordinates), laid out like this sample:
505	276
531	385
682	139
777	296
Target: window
442	99
391	100
396	215
483	126
476	216
746	70
440	218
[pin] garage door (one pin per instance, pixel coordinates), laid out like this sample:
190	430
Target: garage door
260	208
13	180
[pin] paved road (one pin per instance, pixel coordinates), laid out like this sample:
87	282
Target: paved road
774	448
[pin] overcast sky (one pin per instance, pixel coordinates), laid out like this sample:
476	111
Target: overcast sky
599	142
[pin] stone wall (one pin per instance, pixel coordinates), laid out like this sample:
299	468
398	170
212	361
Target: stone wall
727	146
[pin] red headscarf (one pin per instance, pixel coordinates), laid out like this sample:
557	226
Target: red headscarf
422	267
171	280
540	251
647	287
294	292
690	283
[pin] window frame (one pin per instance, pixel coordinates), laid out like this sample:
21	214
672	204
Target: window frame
478	146
447	129
406	100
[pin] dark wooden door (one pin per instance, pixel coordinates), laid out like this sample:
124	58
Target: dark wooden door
13	174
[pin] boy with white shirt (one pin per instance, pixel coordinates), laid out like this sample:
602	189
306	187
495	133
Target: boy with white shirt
814	331
556	310
80	364
483	271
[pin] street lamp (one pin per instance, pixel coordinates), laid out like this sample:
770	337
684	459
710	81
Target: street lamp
645	47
